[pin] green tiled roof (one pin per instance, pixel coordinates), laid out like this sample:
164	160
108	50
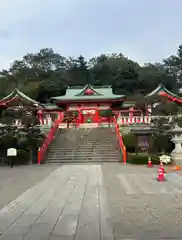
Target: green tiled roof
128	104
161	88
50	106
20	94
100	93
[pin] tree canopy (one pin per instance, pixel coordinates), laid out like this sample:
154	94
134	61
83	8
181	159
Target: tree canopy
46	74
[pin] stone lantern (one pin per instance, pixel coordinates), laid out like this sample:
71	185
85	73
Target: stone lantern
177	140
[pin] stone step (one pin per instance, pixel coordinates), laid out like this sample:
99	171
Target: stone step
83	156
84	151
105	140
80	148
84	147
83	161
76	140
91	149
84	141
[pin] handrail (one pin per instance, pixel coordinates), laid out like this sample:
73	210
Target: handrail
49	138
120	141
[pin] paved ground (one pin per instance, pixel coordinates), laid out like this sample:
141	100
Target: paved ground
14	181
97	202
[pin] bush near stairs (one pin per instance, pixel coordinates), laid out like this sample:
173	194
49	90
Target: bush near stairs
142	158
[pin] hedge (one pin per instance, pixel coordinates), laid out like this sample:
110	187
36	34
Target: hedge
141	158
130	142
22	157
159	144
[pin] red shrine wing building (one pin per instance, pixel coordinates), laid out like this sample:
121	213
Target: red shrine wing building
90	104
17	100
162	91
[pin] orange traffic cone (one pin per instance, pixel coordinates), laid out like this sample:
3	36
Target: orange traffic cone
149	163
162	167
160	176
177	168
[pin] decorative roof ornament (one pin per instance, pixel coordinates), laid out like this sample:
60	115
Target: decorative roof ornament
18	107
88	91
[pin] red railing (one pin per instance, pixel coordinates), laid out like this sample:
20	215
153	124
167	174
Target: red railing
49	138
120	141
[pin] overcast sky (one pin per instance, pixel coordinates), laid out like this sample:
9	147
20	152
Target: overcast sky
144	30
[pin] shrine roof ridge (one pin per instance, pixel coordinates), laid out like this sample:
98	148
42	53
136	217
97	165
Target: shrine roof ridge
161	88
98	92
89	85
16	92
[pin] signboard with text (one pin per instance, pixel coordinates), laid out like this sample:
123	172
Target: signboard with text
12	152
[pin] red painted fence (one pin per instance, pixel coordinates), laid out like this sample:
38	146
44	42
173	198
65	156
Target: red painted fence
49	138
120	140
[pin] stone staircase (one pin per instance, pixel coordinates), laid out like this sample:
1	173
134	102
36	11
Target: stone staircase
85	145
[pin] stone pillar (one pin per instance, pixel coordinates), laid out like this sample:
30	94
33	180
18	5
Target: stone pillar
177	140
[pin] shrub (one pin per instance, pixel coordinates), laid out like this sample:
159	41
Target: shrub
106	113
130	142
162	143
141	158
22	157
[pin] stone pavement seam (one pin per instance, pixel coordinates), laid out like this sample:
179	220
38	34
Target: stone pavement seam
1	233
99	200
82	204
106	228
15	202
61	212
55	194
21	197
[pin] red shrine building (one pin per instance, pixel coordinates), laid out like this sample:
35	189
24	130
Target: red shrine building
89	103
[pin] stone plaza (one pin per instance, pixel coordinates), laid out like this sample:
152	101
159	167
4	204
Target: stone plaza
91	201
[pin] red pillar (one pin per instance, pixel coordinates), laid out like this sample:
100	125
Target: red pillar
79	117
97	116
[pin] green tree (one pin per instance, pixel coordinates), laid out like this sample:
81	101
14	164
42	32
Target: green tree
47	73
